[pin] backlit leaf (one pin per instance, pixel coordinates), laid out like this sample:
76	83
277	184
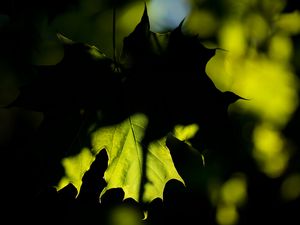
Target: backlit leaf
123	144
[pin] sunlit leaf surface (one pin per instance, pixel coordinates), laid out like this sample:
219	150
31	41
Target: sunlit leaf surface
257	52
122	142
75	168
125	157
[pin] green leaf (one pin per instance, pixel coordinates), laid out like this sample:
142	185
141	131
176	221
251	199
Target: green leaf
172	84
122	143
75	167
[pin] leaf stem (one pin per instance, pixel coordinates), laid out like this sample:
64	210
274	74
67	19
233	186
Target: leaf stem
114	34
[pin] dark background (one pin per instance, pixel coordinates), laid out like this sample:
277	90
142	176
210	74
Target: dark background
31	150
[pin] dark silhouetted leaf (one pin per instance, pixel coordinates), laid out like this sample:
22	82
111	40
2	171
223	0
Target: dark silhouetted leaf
160	76
172	83
80	80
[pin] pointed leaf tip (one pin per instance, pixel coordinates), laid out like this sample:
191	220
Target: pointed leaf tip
231	97
145	17
145	9
181	24
178	29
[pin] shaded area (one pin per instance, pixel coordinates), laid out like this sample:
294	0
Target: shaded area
235	186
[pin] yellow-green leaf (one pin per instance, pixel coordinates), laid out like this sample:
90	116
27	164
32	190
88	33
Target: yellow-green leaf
122	143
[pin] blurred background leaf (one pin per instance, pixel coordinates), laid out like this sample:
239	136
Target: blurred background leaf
259	61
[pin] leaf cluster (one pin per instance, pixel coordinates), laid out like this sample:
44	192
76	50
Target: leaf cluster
159	75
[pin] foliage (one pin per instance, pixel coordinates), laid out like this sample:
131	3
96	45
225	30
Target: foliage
160	84
148	132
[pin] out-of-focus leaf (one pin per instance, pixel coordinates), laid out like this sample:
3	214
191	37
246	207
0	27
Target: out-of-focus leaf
161	82
80	80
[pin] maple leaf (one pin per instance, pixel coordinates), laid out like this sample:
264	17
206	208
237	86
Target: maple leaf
123	144
162	76
172	80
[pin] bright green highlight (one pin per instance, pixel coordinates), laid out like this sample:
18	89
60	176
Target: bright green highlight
270	86
227	215
234	190
122	142
231	196
160	169
266	77
290	22
124	170
270	152
184	133
75	167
